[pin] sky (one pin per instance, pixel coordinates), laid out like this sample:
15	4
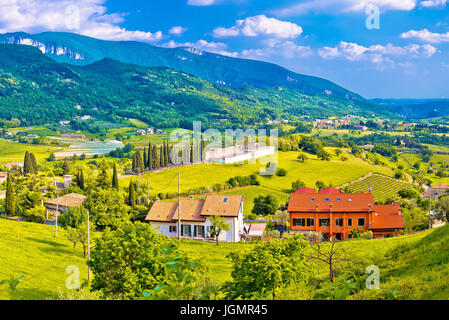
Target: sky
377	48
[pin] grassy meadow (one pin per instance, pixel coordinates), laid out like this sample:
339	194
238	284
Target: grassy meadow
14	151
335	172
417	264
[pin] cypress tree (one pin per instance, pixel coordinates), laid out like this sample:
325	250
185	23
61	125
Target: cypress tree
131	194
192	160
139	162
10	200
145	158
81	180
115	177
150	158
65	167
33	163
167	154
27	166
162	157
103	177
134	165
155	159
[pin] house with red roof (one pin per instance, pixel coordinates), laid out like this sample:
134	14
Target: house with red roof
334	214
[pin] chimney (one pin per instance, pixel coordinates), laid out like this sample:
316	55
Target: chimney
67	181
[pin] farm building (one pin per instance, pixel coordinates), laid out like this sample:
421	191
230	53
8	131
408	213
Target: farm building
335	214
3	177
195	217
62	204
238	153
437	191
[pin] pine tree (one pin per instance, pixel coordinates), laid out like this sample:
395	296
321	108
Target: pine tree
10	200
131	194
115	177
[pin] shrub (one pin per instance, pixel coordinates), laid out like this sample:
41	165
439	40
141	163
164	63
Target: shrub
281	172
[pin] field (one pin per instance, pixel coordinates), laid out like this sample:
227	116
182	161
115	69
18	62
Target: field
417	263
382	187
31	250
250	193
335	172
12	151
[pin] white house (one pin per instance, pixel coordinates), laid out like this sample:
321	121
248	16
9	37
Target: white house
195	217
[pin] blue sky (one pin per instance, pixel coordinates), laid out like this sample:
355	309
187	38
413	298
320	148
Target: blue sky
407	57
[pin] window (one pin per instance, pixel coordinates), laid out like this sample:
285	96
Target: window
339	222
186	230
312	199
338	236
361	222
310	222
225	199
172	229
325	222
200	231
299	222
349	222
326	199
349	235
350	199
338	199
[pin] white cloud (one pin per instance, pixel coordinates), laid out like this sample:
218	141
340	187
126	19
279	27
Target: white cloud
333	6
177	30
434	3
200	2
260	26
214	47
86	17
278	48
426	36
376	53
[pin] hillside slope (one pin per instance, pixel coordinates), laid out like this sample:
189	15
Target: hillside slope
36	89
231	72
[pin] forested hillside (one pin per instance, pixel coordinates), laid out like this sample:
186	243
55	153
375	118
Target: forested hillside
37	90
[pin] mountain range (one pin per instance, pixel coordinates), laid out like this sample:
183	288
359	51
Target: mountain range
36	89
231	72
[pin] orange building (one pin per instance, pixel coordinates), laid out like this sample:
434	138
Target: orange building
334	214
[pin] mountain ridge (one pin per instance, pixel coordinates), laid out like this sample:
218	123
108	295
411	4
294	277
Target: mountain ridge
227	71
37	90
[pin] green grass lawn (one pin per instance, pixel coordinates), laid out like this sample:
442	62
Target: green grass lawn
13	151
31	250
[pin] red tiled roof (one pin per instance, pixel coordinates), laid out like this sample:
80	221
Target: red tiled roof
305	190
387	217
344	202
330	190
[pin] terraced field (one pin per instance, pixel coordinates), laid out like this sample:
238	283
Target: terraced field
381	186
